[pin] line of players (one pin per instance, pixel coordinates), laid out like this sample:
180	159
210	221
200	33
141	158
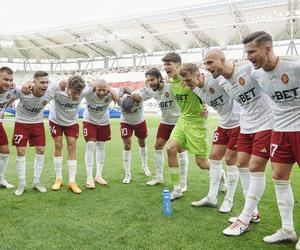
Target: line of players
259	107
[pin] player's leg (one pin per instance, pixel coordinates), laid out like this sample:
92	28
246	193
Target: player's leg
232	180
38	139
56	133
257	164
126	134
183	161
285	150
4	156
103	135
38	168
90	136
72	164
140	131
20	138
158	161
215	174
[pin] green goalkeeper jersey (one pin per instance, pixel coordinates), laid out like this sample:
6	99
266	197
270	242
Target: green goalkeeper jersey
191	106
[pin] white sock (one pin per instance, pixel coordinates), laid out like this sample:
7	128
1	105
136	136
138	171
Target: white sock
38	167
232	181
3	164
89	159
57	160
245	179
183	161
127	162
159	163
21	169
72	165
285	203
144	156
100	157
215	174
256	189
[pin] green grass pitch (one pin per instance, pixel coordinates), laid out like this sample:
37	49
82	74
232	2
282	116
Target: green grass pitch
122	216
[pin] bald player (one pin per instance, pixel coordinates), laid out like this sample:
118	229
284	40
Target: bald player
279	78
253	145
96	130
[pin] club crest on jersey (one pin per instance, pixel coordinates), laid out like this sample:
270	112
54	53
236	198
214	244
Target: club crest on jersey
242	81
8	96
211	90
284	78
167	94
45	103
106	100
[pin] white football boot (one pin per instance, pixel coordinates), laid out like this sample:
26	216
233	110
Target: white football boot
281	235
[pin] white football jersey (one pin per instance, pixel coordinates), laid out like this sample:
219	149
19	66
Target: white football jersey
242	87
30	107
282	84
64	111
169	109
96	110
216	97
5	98
136	116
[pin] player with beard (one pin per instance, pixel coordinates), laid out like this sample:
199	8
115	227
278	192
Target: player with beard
162	93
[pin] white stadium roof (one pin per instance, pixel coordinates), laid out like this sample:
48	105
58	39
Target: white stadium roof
201	26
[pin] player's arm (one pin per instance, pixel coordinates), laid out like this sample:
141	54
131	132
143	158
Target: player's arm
114	94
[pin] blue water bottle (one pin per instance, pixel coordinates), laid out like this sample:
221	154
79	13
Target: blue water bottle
167	202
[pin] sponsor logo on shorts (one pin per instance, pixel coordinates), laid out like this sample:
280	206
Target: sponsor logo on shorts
167	94
284	78
263	150
242	81
211	90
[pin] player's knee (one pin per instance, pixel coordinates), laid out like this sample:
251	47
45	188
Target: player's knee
40	151
142	143
230	160
21	152
58	146
158	146
215	156
172	149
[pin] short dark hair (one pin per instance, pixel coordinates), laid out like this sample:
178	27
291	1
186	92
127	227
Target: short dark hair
7	70
258	37
172	57
191	68
39	74
76	82
154	72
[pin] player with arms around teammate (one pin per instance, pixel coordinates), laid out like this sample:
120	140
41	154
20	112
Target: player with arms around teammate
63	120
254	139
190	130
162	93
279	78
132	120
6	80
96	130
225	137
29	126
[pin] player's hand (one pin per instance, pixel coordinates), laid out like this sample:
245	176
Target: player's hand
12	85
27	88
63	84
136	98
205	112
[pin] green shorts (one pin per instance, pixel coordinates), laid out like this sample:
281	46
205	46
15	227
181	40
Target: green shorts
192	137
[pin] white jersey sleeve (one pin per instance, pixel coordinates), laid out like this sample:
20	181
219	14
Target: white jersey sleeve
216	97
282	85
242	87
